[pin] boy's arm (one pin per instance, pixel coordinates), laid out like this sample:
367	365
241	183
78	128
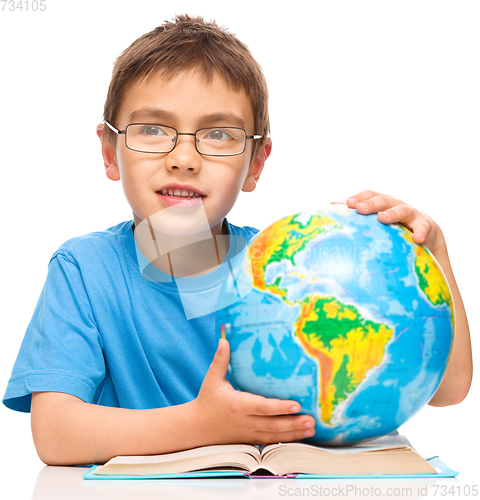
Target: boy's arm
458	375
68	431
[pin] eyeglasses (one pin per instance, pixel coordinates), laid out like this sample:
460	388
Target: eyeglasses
212	141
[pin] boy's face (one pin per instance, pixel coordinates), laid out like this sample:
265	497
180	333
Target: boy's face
186	103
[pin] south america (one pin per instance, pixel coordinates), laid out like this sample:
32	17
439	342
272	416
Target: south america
344	343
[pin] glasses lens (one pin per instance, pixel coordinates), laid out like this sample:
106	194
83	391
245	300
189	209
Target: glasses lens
150	138
220	141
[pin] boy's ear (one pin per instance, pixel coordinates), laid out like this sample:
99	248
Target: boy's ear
256	166
109	156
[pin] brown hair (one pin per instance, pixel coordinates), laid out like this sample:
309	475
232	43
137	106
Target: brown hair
187	43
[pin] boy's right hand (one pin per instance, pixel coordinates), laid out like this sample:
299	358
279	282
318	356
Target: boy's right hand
230	416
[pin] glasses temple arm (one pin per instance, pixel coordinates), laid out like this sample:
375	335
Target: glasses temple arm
116	130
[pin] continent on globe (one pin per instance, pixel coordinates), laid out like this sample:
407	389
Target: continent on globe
282	241
430	278
345	344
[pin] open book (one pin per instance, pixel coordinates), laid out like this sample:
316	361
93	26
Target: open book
391	454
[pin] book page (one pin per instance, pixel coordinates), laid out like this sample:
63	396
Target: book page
173	463
187	454
390	454
390	441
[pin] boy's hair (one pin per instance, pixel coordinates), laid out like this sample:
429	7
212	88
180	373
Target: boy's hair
190	43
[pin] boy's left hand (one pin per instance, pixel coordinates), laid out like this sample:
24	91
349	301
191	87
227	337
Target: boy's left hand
389	210
456	381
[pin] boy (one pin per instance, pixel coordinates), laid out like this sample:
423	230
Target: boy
111	363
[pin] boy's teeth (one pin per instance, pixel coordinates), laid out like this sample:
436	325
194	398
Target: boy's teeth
180	193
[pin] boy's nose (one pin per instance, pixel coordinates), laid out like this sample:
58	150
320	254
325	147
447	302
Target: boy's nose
184	156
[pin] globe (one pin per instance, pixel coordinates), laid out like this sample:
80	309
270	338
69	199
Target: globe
343	314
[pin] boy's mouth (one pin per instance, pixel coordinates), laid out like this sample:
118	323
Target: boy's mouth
182	197
179	193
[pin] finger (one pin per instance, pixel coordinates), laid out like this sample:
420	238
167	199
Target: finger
403	214
295	435
412	219
260	406
359	197
377	204
302	425
282	423
219	366
337	203
283	436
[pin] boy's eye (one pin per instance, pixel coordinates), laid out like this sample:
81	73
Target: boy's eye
218	134
152	130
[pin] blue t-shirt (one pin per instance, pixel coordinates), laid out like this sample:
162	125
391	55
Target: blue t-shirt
109	335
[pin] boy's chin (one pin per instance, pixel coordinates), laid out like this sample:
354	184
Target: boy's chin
178	225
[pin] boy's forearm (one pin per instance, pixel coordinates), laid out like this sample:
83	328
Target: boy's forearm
68	431
458	375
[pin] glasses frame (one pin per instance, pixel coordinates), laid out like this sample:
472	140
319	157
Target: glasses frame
124	132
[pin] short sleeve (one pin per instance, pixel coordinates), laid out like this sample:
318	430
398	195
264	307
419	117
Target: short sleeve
62	349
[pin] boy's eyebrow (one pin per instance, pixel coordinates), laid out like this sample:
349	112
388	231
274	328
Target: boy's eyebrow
155	113
161	114
218	118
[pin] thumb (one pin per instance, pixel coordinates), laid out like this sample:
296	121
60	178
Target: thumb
219	365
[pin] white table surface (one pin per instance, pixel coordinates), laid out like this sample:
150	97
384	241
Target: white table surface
67	483
447	432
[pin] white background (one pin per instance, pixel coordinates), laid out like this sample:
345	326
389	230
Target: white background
381	95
